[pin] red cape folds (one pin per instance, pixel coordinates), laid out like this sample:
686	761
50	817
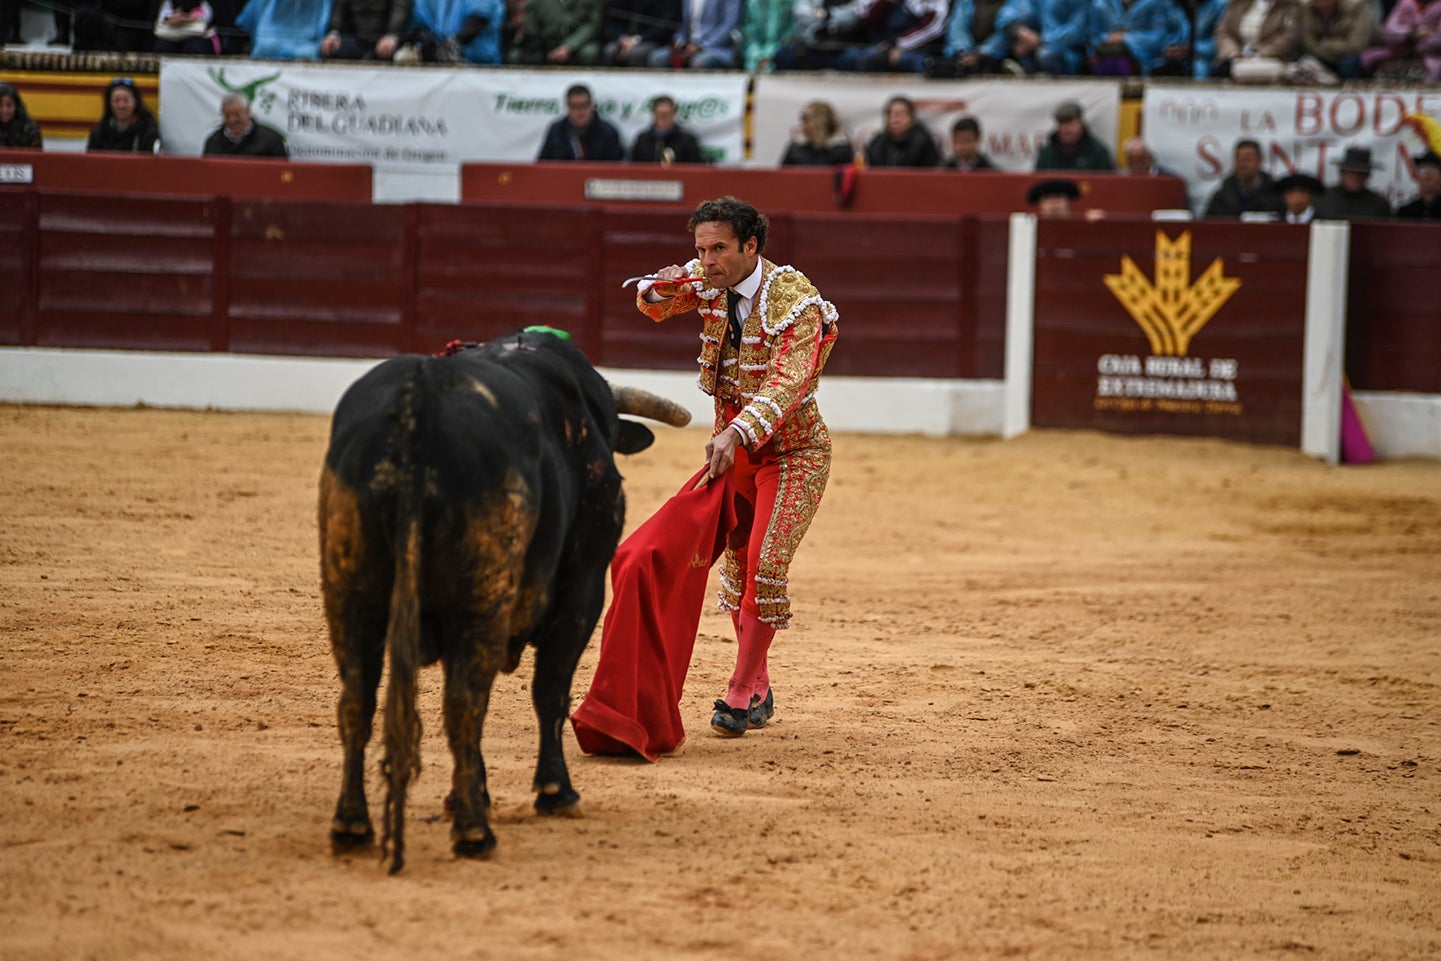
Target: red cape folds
658	585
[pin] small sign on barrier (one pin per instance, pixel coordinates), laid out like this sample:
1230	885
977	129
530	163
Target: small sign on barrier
17	174
661	191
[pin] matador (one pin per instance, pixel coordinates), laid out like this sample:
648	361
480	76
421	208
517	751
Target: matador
766	333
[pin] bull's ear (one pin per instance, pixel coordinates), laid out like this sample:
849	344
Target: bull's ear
634	437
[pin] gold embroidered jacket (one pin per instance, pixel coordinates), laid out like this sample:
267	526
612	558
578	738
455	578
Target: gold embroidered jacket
785	342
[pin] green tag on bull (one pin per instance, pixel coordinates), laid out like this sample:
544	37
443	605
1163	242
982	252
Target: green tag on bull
543	329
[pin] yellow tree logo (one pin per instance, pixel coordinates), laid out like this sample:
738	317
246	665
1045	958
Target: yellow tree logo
1172	310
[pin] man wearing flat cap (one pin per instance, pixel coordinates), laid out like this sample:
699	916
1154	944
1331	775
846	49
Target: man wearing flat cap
1427	206
1351	199
1071	146
1299	191
1052	198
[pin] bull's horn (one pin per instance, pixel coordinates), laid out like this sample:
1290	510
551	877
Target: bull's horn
642	403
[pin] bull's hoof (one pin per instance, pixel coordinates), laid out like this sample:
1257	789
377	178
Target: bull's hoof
345	838
555	799
478	846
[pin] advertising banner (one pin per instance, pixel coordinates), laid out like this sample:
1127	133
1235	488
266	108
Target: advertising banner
1191	329
1015	117
417	119
1192	130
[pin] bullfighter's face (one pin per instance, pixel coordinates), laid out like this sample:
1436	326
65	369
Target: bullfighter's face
725	260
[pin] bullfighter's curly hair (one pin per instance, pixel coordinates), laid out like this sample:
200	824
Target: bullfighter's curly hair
741	217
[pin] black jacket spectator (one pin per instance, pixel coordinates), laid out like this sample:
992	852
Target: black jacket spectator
1231	199
597	140
20	132
916	148
137	132
650	146
258	141
803	153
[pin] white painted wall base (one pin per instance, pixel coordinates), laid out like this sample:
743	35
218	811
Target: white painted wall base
124	378
1400	425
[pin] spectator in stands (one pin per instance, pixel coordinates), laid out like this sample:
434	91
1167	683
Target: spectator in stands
1072	146
1248	189
966	147
1140	161
17	130
708	37
127	125
285	29
820	141
821	30
665	141
1426	206
462	31
187	27
240	136
638	28
1261	38
1351	199
973	44
905	142
1412	31
365	29
1052	198
899	37
581	134
1134	39
561	33
1335	33
1203	48
1065	26
767	28
1299	193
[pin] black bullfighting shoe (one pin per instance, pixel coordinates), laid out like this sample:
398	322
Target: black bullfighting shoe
729	721
762	711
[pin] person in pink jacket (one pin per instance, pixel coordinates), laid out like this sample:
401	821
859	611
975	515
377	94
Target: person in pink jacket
1413	30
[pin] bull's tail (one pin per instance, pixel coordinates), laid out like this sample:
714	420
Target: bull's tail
402	638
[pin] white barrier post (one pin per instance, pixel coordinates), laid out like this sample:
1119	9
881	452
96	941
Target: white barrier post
1322	375
1020	324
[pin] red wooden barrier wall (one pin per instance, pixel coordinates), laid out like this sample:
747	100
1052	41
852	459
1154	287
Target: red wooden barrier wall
809	189
194	176
918	295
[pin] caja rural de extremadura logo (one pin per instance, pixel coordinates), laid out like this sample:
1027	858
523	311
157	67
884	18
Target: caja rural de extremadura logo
1170	310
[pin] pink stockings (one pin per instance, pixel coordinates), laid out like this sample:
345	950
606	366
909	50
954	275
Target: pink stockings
752	674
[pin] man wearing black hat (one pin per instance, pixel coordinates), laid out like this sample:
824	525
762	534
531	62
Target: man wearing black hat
1352	199
1052	198
1427	206
1071	146
1299	191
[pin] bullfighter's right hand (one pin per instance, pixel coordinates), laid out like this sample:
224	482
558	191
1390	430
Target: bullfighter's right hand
662	287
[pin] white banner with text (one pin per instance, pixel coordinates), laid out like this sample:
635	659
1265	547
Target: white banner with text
403	118
1193	129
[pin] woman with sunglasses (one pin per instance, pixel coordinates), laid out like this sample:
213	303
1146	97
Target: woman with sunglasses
127	125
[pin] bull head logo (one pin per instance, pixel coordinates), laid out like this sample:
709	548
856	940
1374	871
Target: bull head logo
251	91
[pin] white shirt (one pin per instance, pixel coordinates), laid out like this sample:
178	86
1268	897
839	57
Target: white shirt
748	289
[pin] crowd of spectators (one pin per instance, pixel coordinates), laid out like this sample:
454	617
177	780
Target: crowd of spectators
1312	41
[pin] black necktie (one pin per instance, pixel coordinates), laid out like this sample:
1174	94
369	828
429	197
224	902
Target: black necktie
733	311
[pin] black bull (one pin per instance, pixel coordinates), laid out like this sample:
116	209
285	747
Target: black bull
469	506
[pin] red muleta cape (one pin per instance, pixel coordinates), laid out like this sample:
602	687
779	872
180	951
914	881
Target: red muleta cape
658	584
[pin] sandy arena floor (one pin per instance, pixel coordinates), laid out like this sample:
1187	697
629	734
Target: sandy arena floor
1066	697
